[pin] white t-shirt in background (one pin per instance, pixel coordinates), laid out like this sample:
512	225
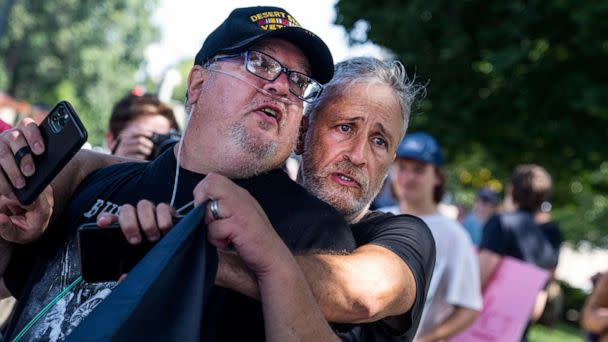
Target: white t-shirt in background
455	279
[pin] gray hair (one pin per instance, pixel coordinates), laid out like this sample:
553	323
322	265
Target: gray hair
369	69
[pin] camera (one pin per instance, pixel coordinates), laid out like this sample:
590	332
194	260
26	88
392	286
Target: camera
58	119
162	142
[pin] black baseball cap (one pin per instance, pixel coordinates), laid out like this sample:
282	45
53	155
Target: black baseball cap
247	26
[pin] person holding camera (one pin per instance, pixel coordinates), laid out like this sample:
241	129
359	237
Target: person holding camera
141	127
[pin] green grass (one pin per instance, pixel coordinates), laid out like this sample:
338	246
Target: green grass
559	333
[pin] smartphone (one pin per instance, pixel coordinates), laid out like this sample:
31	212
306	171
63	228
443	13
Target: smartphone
105	253
63	134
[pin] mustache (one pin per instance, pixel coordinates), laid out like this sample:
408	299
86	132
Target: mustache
350	170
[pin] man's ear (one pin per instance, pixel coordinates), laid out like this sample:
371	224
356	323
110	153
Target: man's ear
196	78
302	136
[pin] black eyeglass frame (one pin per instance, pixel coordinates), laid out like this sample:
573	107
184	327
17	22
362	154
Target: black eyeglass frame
313	94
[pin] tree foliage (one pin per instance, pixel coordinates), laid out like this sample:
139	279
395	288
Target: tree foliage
87	52
510	81
183	67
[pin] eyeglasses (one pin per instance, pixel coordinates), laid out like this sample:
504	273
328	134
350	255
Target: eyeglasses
269	69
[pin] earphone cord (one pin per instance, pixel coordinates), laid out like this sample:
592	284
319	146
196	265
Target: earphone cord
179	156
44	310
181	140
273	96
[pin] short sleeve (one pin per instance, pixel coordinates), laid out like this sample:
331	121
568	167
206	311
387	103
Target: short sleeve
409	238
462	273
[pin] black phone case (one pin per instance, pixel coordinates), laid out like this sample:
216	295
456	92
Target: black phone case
105	253
59	149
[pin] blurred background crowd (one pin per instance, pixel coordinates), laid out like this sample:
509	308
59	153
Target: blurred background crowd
508	83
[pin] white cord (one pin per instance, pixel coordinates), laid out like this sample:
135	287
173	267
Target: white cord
263	91
181	140
179	156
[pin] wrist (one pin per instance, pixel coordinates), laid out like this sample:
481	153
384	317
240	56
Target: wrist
226	268
282	272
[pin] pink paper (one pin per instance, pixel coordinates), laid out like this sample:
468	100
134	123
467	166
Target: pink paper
507	303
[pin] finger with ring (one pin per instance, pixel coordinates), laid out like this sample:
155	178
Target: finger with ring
215	209
22	152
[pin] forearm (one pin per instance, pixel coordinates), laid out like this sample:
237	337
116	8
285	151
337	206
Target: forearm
365	286
67	181
233	274
460	319
488	263
290	310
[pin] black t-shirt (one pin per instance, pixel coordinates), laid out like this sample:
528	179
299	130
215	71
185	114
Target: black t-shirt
553	234
409	238
38	272
516	235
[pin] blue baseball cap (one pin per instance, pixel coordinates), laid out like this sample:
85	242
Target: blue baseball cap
422	147
488	195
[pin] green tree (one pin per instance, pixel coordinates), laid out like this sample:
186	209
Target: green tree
512	81
183	67
87	52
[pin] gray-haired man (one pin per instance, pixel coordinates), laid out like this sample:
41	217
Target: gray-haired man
354	150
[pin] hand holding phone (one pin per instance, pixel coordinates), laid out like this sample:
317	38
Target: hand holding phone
63	134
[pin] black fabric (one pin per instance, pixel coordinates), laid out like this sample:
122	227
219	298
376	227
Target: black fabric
14	279
410	238
303	222
553	235
516	235
183	263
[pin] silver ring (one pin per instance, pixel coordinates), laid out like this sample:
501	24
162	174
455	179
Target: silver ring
215	209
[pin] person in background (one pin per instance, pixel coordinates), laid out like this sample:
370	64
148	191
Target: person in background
140	125
594	318
515	233
486	201
549	227
549	302
454	298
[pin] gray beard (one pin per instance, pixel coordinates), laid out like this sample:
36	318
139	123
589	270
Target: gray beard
346	207
346	203
260	152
